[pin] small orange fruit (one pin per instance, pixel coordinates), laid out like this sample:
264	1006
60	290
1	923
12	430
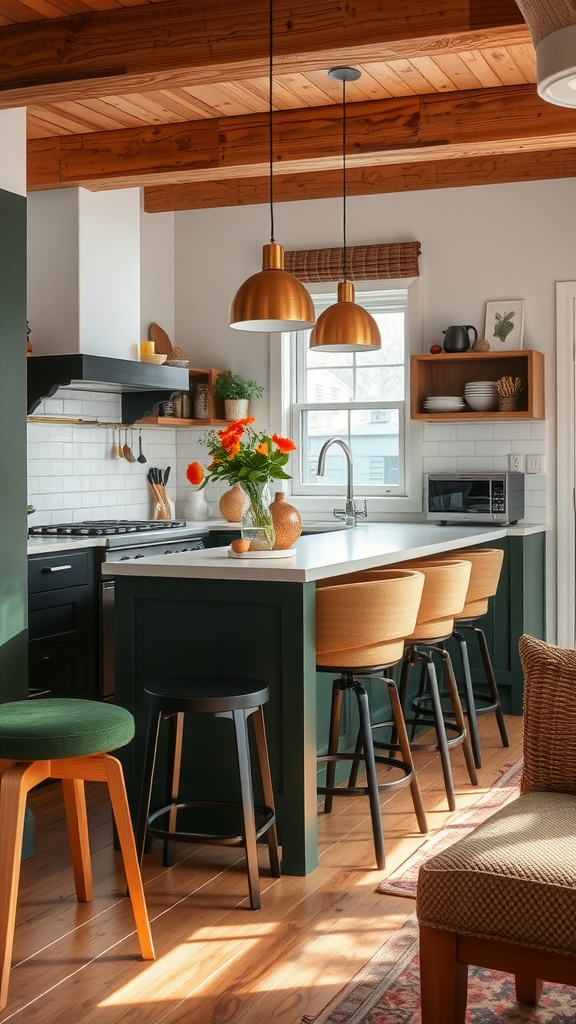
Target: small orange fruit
239	545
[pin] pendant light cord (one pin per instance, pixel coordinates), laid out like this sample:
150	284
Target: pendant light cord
344	266
271	136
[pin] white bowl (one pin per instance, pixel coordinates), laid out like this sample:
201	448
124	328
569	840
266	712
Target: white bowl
482	404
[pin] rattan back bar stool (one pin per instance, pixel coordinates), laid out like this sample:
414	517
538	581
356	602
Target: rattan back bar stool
67	739
239	824
360	630
486	565
444	594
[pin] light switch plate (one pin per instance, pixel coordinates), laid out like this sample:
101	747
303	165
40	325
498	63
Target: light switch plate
531	463
515	463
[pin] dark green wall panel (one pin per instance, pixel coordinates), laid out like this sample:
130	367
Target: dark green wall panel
13	613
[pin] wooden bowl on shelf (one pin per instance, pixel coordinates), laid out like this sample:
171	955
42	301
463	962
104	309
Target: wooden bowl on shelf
153	357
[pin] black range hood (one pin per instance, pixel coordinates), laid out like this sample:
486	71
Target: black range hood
142	385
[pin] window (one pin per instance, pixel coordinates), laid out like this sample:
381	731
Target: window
359	397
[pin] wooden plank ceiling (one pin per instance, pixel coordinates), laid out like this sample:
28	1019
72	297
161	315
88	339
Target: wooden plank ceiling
173	96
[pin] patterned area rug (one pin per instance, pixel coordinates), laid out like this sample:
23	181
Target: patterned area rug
387	991
402	882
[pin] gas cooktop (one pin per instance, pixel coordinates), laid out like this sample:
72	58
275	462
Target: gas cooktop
106	527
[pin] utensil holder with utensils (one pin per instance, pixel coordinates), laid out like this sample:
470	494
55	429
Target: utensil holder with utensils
158	478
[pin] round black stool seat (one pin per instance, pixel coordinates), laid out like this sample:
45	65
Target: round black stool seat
205	694
214	822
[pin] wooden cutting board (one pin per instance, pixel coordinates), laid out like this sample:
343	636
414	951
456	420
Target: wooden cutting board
162	343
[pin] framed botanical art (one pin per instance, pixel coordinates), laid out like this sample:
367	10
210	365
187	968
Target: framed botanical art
505	324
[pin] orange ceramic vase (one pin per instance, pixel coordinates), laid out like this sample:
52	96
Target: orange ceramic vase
232	504
287	522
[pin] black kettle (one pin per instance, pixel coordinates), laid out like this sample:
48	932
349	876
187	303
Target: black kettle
457	338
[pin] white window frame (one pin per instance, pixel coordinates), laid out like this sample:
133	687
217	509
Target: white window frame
381	506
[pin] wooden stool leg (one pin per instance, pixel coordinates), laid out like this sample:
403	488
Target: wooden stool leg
406	753
121	811
452	688
173	782
267	791
371	777
443	981
486	661
14	786
334	735
528	990
77	822
154	719
240	719
469	696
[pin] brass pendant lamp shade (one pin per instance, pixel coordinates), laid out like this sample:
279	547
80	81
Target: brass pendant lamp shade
553	28
345	326
272	300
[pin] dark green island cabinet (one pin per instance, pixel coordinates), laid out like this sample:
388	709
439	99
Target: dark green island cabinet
205	612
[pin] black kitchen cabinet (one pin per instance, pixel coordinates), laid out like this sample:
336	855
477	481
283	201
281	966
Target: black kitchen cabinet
222	538
63	615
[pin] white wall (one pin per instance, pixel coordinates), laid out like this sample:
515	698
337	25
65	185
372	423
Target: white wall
13	150
84	272
157	272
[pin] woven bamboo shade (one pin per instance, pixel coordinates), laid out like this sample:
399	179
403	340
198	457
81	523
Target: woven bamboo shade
363	262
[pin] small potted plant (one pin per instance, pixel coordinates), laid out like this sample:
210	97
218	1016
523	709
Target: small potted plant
236	394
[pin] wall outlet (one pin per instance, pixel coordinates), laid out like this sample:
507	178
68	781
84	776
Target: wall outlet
515	463
531	463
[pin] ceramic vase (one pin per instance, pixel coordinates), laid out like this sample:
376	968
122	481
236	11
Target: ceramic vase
197	508
287	522
235	408
232	504
257	526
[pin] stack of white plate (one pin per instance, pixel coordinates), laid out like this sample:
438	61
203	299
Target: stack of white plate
444	403
481	395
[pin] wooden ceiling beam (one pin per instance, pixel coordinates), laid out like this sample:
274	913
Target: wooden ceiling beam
416	128
401	177
183	42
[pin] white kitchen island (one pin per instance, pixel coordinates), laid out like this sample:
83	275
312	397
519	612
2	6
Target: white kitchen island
205	612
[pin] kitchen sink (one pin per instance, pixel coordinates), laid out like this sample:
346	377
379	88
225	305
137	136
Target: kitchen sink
324	527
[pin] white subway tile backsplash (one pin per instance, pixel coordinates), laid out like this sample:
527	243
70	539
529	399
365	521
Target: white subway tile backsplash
439	431
455	448
511	429
474	431
492	449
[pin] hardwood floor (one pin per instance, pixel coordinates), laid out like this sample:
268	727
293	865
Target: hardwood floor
217	961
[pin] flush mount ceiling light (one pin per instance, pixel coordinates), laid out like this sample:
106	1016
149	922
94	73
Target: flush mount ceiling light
345	326
553	29
272	300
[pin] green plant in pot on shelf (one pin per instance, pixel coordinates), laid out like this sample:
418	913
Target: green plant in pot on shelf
253	459
236	394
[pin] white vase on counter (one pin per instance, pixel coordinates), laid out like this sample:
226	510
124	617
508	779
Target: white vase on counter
197	508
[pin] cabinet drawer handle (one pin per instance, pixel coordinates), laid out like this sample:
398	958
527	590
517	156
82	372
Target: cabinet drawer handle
55	568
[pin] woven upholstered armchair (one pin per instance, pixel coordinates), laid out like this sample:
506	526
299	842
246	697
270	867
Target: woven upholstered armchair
504	896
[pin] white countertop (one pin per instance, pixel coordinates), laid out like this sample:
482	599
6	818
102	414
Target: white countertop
322	555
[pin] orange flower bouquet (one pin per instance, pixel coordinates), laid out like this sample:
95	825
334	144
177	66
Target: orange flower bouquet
242	455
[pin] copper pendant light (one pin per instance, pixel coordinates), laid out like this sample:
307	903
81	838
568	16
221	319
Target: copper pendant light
272	300
553	29
345	326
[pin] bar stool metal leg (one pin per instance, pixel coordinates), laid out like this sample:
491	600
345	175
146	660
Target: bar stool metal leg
404	744
240	719
440	730
333	737
267	791
492	683
176	726
469	699
153	732
448	673
371	778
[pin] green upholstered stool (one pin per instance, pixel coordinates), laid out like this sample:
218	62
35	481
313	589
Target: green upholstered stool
68	740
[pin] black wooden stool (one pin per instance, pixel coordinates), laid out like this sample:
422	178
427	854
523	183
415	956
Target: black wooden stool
224	697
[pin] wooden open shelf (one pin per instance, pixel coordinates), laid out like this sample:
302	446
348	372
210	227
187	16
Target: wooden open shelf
447	373
215	405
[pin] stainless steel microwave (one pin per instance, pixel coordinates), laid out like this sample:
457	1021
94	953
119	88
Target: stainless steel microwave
474	497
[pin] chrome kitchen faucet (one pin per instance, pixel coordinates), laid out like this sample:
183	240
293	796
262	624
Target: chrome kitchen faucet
350	514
